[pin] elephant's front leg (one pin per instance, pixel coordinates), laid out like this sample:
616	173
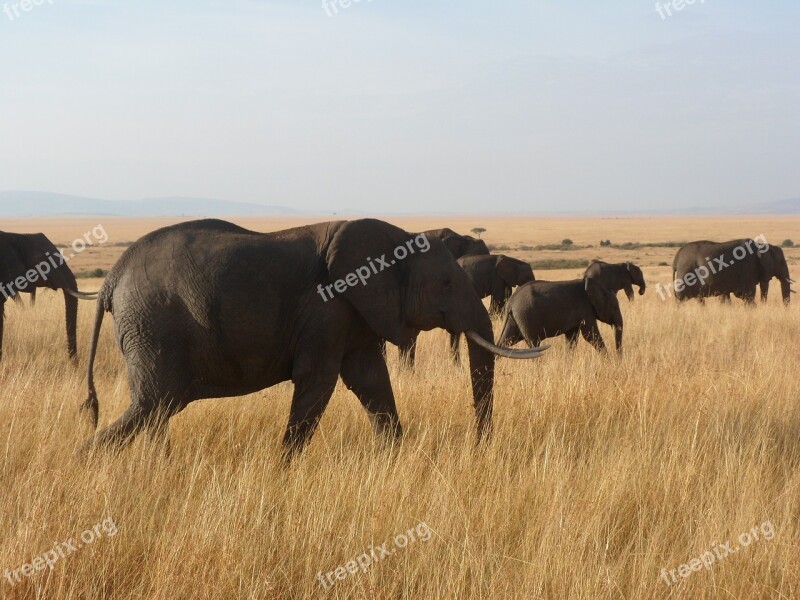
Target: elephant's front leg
408	352
364	372
499	296
572	336
592	335
764	291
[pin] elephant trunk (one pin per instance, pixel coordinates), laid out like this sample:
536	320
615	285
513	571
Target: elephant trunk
618	337
629	293
69	286
482	352
786	290
481	368
71	304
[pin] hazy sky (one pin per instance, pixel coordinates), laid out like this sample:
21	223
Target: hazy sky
404	105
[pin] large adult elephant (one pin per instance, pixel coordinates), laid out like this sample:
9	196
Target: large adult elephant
459	245
29	261
544	309
704	268
617	276
207	309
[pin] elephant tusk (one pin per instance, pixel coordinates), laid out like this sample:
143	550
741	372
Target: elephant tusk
82	295
506	352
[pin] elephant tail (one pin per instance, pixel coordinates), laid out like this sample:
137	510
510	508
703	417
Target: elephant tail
511	333
91	404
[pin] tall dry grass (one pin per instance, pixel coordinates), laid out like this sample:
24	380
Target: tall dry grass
601	472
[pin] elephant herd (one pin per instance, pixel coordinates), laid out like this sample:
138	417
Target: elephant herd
24	258
207	309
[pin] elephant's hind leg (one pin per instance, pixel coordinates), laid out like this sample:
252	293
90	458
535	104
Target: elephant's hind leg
159	384
511	333
121	432
313	387
364	372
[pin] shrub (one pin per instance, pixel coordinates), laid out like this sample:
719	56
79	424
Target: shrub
558	263
787	244
92	273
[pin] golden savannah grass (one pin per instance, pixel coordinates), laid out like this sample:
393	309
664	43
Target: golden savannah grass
601	472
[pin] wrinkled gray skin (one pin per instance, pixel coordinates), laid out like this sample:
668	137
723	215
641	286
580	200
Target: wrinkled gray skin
740	277
545	309
459	246
207	309
617	276
496	276
19	253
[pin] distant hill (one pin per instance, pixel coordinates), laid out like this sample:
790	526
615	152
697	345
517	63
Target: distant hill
40	204
790	206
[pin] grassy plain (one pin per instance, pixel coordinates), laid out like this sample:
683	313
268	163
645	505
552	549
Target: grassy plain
602	470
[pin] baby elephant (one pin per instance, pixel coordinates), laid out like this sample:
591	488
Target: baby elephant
543	309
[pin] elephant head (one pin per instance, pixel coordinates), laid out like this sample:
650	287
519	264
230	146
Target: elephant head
461	245
637	279
606	307
508	273
772	263
31	261
420	288
513	271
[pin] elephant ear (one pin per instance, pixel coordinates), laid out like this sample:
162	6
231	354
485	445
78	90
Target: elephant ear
455	244
602	300
506	269
361	245
768	263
